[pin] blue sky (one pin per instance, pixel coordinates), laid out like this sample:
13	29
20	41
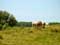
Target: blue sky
33	10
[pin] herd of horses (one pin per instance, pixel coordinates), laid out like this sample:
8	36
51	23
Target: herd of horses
39	24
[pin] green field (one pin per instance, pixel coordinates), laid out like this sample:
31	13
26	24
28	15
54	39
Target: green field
30	36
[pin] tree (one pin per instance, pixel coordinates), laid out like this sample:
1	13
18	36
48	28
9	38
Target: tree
7	18
12	21
3	17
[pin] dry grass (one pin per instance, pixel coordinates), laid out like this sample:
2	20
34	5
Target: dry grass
30	36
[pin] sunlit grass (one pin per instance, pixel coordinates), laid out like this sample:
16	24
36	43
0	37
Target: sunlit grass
30	36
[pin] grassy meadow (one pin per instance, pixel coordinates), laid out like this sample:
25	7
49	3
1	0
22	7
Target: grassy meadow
30	36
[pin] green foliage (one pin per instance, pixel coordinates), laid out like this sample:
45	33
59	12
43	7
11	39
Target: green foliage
24	24
5	25
3	17
54	23
6	18
1	26
12	21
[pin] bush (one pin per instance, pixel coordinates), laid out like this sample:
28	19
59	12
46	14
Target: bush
1	26
5	26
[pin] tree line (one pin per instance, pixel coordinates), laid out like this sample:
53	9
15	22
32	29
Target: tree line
54	23
7	19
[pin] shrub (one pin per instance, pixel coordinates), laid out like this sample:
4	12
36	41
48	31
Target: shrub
5	26
1	26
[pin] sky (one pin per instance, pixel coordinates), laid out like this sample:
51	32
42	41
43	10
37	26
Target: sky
33	10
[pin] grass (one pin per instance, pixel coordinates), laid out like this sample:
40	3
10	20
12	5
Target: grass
30	36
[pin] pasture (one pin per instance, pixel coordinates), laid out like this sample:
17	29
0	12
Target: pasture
30	36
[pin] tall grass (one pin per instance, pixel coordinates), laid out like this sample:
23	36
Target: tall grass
30	36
